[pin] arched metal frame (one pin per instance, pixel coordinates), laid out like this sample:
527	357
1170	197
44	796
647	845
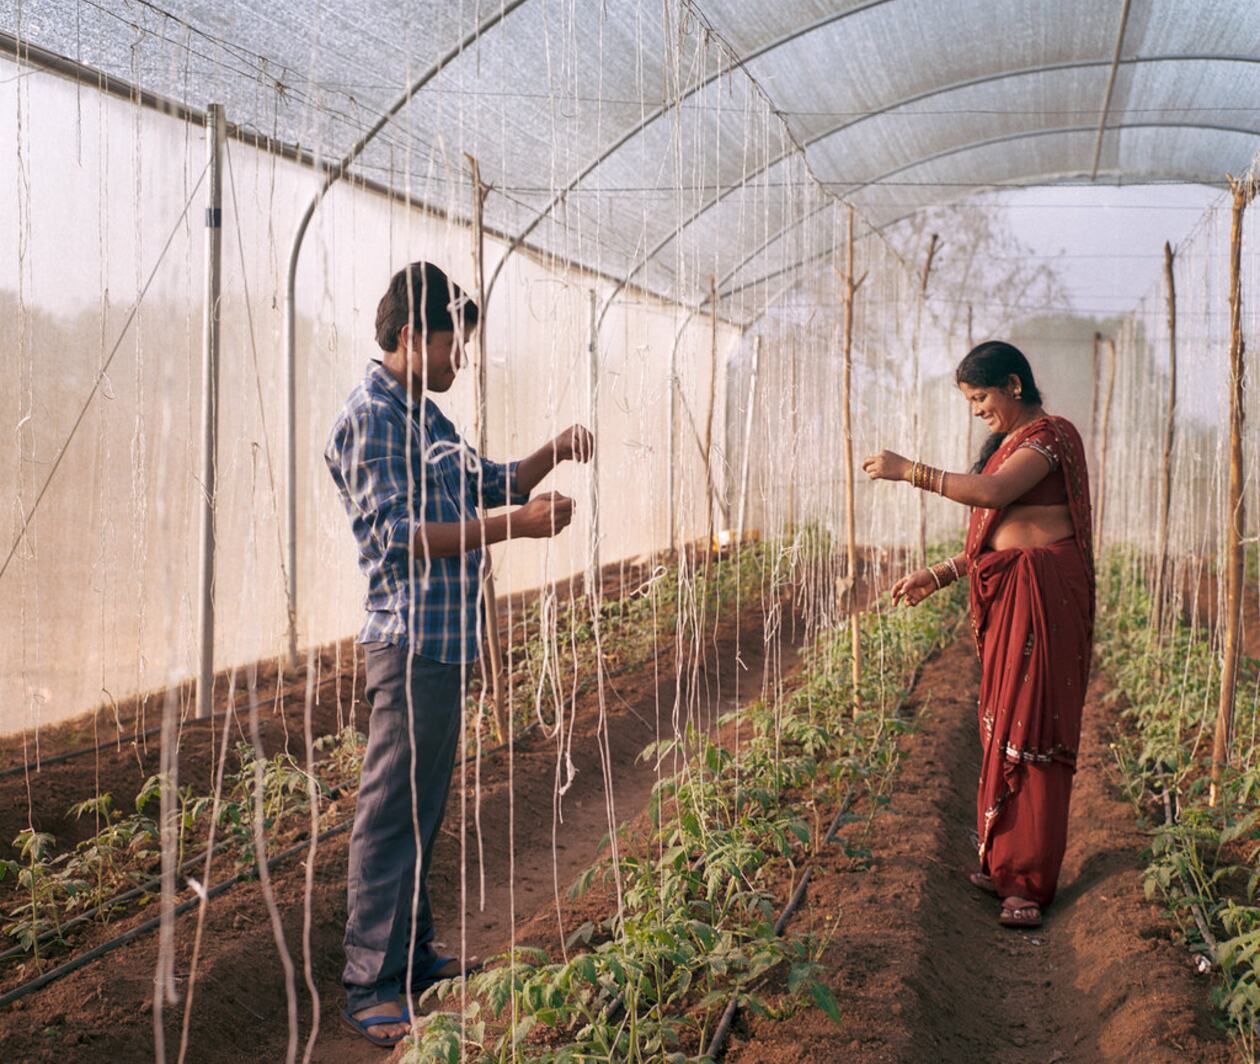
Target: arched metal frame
989	142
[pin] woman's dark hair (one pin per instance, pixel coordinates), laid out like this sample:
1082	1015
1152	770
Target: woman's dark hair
990	365
422	295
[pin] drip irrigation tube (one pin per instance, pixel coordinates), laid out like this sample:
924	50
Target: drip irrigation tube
140	930
720	1035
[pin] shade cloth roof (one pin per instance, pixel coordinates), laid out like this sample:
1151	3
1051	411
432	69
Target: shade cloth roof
633	138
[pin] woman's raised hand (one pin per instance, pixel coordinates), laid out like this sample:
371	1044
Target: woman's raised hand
887	465
913	588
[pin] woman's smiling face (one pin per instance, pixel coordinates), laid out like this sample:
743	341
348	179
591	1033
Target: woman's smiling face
995	405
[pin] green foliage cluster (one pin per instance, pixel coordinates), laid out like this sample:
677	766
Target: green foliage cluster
124	852
695	916
1204	859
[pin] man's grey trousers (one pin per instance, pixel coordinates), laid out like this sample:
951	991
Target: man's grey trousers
382	844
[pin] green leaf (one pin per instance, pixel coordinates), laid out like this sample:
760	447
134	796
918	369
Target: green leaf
825	999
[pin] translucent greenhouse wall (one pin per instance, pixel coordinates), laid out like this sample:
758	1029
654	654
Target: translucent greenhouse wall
100	599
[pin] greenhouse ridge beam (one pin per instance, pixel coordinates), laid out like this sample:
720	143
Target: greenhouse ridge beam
1006	138
26	54
957	86
736	63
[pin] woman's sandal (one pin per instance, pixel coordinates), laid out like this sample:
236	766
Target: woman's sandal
983	882
364	1027
1020	915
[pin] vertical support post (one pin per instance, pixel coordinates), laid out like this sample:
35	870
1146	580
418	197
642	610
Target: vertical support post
1165	495
745	462
487	570
851	285
971	421
216	131
708	421
794	404
1100	509
1093	414
594	583
1242	192
672	442
915	398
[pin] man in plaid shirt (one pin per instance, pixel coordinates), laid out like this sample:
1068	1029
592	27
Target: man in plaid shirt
413	491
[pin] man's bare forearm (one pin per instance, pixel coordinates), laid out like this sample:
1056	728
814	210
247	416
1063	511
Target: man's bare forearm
447	539
531	471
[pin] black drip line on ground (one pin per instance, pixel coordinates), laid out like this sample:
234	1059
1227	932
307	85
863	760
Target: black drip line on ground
199	891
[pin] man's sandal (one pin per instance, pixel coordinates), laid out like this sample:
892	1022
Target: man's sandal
364	1027
424	978
983	882
1020	915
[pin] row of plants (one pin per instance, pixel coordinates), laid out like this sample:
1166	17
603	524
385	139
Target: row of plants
694	922
554	651
113	870
1204	859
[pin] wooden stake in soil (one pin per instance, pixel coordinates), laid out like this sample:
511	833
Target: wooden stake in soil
1242	192
849	584
1102	446
1165	497
915	397
1093	414
708	421
487	573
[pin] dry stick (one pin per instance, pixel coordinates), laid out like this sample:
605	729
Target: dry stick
1165	500
1242	193
312	797
915	398
487	584
850	578
1102	447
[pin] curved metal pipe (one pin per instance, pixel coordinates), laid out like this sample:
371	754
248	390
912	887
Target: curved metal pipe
290	296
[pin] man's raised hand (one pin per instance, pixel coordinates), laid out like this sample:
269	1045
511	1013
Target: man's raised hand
543	516
575	444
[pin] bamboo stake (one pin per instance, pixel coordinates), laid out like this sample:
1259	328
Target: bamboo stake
971	421
708	421
1242	192
1165	499
916	398
849	583
487	571
1102	446
792	399
1093	413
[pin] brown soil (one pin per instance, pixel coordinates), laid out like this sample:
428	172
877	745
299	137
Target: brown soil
105	1009
1206	606
921	968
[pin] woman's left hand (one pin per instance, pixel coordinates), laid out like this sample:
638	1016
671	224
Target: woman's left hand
887	465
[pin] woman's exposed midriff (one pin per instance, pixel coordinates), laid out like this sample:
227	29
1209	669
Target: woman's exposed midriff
1031	526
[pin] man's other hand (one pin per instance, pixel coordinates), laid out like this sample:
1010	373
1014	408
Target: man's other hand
543	516
574	444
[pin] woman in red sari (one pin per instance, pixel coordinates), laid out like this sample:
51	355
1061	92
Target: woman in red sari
1030	560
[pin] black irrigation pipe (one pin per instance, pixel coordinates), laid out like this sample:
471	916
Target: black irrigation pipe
75	963
140	930
1209	940
780	925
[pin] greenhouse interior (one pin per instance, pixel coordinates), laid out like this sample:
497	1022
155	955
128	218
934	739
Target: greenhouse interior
528	520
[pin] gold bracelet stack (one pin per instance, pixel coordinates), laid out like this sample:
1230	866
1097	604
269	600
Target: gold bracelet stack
944	573
927	478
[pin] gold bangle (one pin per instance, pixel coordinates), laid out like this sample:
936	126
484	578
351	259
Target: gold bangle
936	579
954	569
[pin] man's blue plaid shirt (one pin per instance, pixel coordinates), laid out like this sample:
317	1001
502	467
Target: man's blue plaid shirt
393	464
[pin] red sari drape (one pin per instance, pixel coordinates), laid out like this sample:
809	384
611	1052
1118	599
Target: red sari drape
1032	614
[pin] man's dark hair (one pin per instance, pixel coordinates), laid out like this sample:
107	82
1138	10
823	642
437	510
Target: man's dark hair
421	294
